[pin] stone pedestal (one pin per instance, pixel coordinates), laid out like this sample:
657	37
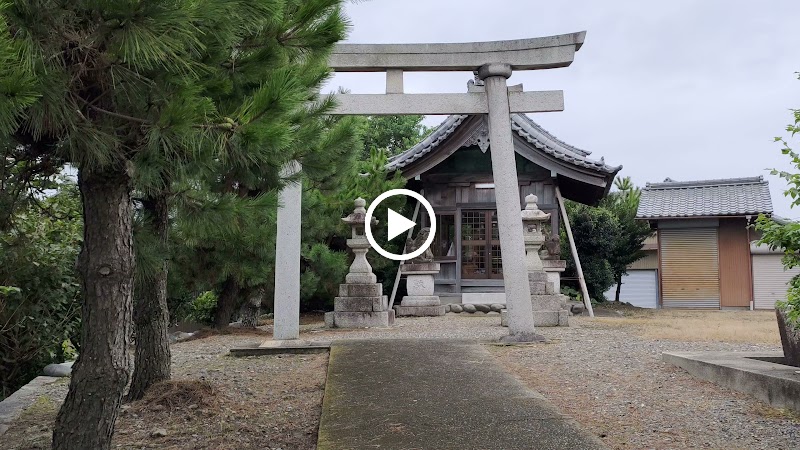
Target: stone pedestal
549	305
420	300
361	303
554	269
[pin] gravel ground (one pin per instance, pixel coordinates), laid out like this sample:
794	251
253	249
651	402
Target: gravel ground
267	402
633	400
481	327
614	383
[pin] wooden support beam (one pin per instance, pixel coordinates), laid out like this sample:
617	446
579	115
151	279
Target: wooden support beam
400	267
444	104
581	280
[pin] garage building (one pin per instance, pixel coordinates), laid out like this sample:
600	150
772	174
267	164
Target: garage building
704	235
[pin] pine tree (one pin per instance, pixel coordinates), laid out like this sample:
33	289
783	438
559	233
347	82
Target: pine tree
267	92
283	119
104	85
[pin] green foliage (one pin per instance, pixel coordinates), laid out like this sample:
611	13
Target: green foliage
203	308
224	232
623	204
40	293
323	270
572	293
595	230
392	134
16	80
785	236
68	350
322	223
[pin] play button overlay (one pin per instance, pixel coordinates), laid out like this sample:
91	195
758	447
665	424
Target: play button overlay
398	224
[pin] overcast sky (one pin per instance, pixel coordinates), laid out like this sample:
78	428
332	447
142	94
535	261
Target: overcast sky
686	89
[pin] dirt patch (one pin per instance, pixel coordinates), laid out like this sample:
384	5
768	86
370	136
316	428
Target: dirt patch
179	394
698	326
214	402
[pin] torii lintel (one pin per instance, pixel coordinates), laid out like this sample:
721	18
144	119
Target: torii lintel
522	54
394	59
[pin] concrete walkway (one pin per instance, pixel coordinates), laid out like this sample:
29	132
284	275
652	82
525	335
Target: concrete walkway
435	394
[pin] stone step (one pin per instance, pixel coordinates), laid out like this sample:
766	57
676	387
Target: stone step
551	318
421	311
361	290
549	302
421	300
380	319
361	304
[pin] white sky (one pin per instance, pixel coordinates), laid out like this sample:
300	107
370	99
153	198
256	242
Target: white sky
686	89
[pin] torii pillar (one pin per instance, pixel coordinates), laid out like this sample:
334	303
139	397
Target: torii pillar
287	257
494	62
507	201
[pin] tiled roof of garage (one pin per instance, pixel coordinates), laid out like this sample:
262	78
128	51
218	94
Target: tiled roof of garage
707	198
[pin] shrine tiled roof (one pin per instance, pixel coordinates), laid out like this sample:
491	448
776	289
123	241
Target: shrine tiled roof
524	127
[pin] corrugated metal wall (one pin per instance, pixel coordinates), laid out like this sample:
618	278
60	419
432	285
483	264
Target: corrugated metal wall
649	261
689	268
639	288
770	280
734	263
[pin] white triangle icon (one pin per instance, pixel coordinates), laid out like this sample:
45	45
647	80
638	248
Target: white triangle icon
398	224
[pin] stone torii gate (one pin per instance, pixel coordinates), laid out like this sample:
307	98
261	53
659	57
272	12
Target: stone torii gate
494	63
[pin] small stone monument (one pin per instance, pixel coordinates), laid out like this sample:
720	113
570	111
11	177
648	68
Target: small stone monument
549	306
419	273
361	303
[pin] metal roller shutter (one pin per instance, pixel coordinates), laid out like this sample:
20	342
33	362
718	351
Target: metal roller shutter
639	288
689	268
770	280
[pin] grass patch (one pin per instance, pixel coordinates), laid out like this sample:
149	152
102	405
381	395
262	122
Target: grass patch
769	412
700	326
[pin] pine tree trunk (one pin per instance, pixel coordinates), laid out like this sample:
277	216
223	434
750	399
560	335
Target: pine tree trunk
150	312
227	303
619	288
106	264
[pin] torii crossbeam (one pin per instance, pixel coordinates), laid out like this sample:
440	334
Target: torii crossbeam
494	63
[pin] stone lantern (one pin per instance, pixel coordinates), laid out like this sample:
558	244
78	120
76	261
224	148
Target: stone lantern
360	269
533	220
549	306
361	303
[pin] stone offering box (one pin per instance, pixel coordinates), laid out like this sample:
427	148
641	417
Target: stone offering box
420	300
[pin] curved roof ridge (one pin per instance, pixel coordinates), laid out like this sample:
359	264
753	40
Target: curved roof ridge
525	127
441	132
705	198
528	125
705	183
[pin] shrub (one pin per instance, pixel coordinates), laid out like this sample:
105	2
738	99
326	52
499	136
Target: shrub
40	297
203	308
572	293
596	231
